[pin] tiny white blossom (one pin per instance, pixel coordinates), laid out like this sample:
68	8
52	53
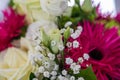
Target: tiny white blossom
46	74
74	35
60	47
30	56
72	78
39	56
78	66
34	79
69	61
78	32
53	73
38	48
62	30
37	42
69	44
53	78
41	69
51	56
71	30
86	56
56	67
72	66
36	73
53	43
33	37
60	77
67	24
75	44
65	78
80	78
80	60
64	72
76	69
80	28
47	65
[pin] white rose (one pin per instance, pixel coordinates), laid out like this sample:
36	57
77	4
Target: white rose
32	10
33	29
54	7
14	63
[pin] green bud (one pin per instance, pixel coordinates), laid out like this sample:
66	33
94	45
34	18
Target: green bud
67	33
87	6
45	38
56	38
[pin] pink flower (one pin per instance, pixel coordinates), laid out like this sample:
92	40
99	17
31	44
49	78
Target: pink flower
103	47
117	17
10	27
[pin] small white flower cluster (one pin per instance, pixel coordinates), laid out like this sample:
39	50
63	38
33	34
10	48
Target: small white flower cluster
67	24
33	33
34	58
74	44
77	32
76	66
49	69
58	45
75	35
44	65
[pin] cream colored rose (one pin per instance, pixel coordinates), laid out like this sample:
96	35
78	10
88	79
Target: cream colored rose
14	63
54	7
32	10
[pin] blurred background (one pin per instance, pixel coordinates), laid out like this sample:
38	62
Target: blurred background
112	6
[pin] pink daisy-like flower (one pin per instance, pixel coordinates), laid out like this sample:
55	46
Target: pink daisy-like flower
10	27
117	17
103	47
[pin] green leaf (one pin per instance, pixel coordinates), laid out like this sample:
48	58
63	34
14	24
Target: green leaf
32	76
45	38
66	34
23	31
87	74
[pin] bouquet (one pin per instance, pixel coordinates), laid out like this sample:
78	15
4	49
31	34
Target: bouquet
50	40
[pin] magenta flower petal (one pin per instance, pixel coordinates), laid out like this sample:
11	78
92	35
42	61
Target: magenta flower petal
10	27
103	47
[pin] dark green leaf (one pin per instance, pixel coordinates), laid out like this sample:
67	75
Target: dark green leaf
32	76
87	74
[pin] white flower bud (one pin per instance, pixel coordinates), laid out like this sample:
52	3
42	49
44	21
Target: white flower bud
80	78
75	44
72	78
69	61
86	56
46	74
64	72
41	69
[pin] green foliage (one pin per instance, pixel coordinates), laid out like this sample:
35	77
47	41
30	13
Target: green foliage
66	34
11	3
23	31
111	24
45	38
87	74
32	76
78	15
